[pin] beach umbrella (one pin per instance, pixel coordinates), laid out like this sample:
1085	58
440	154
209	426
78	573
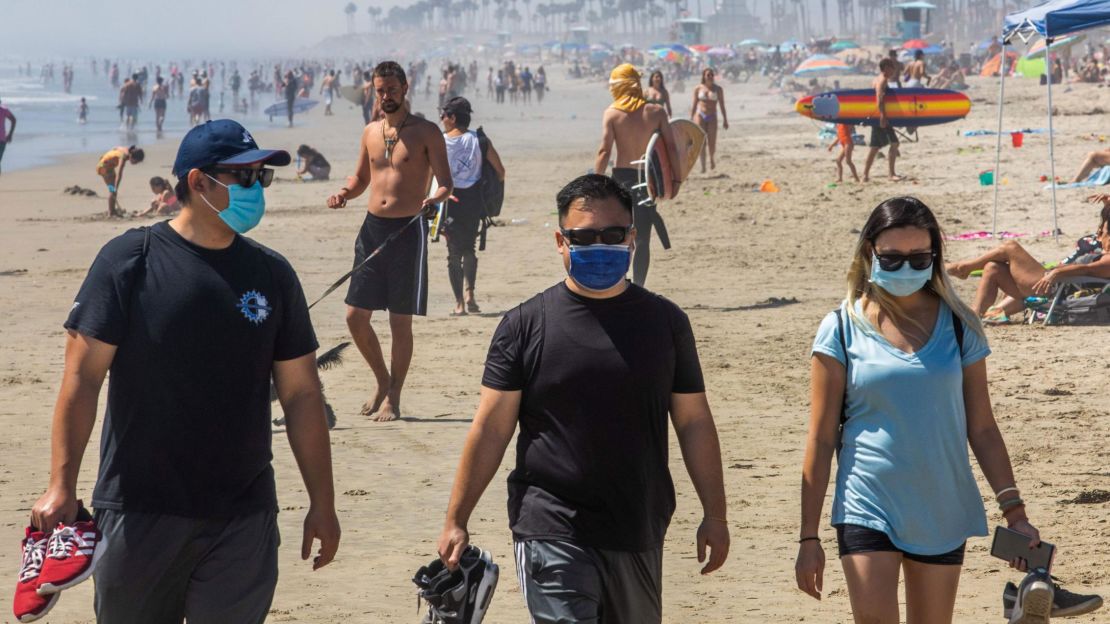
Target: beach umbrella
843	44
822	65
1037	50
791	43
755	43
724	53
915	44
984	45
700	48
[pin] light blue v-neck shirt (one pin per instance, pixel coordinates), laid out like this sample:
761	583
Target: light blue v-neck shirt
904	467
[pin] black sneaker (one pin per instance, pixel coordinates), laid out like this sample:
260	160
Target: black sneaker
459	597
1064	602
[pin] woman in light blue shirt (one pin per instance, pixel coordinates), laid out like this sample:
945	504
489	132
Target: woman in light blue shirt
899	389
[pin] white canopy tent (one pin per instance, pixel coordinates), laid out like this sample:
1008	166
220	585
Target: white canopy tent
1051	19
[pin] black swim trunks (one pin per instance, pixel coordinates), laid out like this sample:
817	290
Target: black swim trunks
881	137
397	279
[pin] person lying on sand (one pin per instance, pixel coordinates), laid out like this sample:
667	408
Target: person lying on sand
1094	160
1011	269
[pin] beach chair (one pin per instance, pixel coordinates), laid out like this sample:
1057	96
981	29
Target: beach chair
1092	308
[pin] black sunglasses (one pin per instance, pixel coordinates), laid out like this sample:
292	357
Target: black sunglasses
612	235
918	261
247	177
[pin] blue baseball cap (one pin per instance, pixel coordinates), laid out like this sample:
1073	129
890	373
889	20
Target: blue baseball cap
222	142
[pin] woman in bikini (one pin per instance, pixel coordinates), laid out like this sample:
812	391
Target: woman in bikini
657	92
707	95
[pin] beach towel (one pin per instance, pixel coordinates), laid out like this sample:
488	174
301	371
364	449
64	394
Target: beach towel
982	234
976	133
1098	177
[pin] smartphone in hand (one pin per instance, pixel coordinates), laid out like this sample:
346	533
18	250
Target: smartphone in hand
1009	545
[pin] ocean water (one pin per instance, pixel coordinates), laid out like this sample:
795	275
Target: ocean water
47	116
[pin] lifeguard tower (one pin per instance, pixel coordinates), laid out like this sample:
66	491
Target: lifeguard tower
580	35
915	19
691	30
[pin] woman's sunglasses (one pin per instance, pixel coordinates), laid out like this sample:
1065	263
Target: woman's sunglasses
918	261
247	177
613	235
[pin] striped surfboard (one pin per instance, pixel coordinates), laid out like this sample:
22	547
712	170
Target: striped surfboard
904	107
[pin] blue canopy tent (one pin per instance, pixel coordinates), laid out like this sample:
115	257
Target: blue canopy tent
1051	19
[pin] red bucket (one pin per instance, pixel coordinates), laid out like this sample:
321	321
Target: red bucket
1017	138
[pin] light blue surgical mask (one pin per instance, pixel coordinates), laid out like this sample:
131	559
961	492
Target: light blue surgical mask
901	283
245	206
599	267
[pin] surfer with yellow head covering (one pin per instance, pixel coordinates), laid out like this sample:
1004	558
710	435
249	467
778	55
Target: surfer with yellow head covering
624	84
629	123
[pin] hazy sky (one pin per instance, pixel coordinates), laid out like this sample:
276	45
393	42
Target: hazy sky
193	27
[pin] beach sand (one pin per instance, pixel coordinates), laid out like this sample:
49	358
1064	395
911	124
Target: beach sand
756	273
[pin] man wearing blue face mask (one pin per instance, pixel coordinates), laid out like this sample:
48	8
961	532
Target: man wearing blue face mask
591	369
193	320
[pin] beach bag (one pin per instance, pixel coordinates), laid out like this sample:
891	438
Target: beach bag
1084	307
492	188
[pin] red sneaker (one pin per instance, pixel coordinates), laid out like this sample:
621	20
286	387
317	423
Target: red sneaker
71	555
29	605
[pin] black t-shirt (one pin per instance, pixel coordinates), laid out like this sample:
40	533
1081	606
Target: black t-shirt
596	378
187	430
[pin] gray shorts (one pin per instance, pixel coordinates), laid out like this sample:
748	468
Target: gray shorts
565	582
162	569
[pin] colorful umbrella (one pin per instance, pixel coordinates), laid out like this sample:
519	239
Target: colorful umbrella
843	44
915	44
752	43
720	52
790	44
822	65
1037	50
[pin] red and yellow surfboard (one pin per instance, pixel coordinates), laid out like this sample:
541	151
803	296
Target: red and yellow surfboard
904	107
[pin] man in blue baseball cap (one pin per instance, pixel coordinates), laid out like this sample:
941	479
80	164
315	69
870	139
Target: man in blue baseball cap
193	319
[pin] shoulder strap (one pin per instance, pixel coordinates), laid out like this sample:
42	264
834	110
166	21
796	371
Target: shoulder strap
844	348
146	240
958	327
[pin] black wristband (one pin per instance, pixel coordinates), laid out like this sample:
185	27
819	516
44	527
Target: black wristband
811	538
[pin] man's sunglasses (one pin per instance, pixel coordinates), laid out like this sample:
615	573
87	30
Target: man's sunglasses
248	176
613	235
918	261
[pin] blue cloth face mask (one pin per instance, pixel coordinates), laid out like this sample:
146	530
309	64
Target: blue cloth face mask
245	206
901	283
599	267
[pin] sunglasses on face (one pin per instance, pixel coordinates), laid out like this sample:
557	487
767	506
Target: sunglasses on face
247	177
918	261
613	235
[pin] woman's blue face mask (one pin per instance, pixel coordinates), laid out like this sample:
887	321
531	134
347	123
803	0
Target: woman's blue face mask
902	282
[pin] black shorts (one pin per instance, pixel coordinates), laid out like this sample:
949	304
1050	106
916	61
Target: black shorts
853	538
159	105
881	137
397	279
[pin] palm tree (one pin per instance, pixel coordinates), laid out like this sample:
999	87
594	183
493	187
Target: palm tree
350	10
375	13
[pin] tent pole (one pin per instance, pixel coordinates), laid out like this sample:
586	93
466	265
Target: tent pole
1051	139
998	143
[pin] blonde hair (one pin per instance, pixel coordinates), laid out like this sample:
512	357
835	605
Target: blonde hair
902	212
